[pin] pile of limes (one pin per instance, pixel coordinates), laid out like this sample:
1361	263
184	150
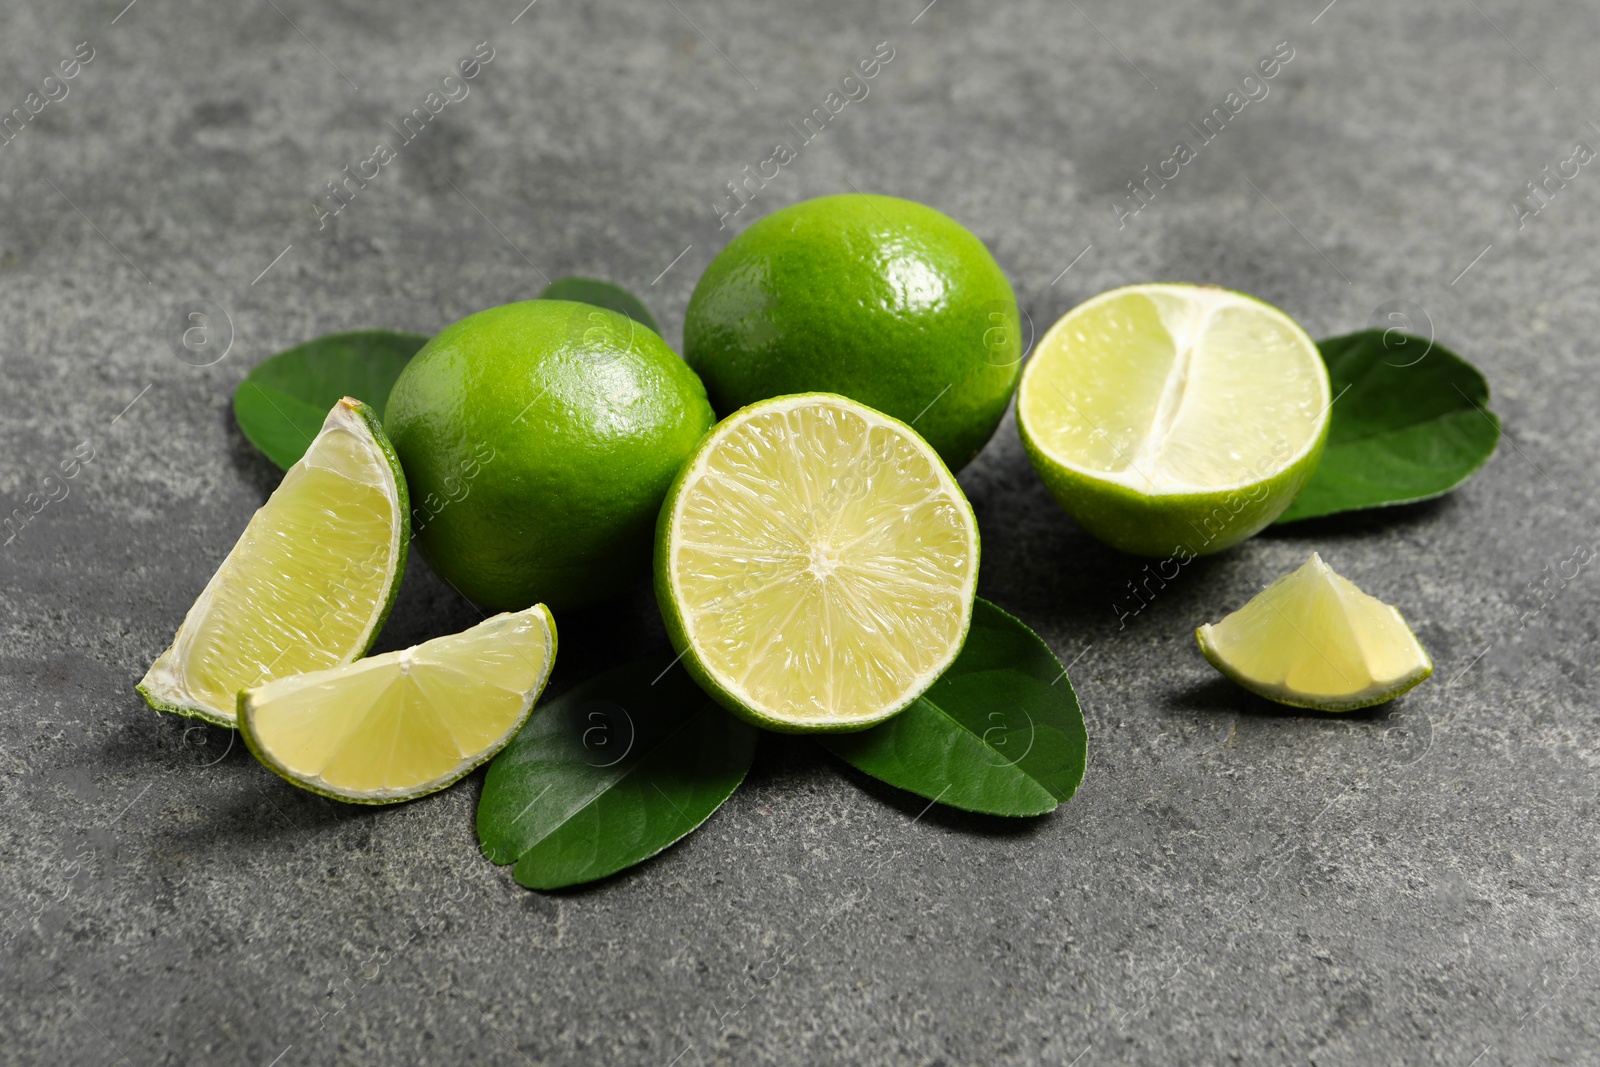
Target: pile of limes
815	559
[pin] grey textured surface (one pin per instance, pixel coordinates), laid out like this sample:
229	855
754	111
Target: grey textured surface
1232	883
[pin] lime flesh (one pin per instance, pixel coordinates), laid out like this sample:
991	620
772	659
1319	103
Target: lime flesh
307	585
816	564
404	724
1312	639
1174	418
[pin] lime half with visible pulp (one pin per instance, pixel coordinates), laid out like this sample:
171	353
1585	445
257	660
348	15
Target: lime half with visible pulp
307	585
816	564
1312	639
1174	419
404	724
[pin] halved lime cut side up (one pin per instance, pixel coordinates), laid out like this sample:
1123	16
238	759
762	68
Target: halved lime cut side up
816	564
1174	419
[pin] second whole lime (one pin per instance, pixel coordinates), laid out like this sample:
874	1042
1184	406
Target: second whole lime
539	439
879	299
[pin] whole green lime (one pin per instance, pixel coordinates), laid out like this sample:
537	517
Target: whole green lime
883	300
539	440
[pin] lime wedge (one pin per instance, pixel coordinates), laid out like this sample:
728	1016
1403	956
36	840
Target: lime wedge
816	564
1166	418
404	724
307	585
1312	639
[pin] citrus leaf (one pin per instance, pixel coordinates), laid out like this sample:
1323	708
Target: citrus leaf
280	404
999	733
1409	422
609	774
601	294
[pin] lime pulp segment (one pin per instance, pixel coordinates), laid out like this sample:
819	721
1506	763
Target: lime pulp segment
1313	639
308	583
404	724
820	563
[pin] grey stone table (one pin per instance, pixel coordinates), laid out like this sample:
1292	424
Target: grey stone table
1233	883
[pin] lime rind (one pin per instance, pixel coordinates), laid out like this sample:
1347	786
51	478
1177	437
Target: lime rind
884	300
1383	629
374	424
1279	696
251	699
1173	519
192	711
539	439
162	687
1175	525
667	594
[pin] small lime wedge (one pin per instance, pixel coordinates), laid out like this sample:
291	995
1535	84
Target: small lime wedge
1174	419
1312	639
404	724
816	564
307	585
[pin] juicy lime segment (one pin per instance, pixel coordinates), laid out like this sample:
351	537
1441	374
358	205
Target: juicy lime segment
404	724
1312	639
1149	408
308	583
816	564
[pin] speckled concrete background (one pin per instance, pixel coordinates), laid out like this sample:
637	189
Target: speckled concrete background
1232	884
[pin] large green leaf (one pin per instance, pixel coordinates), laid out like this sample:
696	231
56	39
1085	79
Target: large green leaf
280	404
1000	732
1409	422
601	294
609	774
